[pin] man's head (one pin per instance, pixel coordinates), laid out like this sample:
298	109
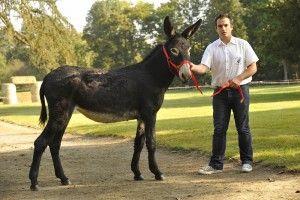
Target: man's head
224	26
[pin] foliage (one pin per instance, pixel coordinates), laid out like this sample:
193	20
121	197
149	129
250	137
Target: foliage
2	67
118	33
272	28
234	8
46	37
115	34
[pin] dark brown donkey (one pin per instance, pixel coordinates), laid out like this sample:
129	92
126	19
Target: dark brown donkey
132	92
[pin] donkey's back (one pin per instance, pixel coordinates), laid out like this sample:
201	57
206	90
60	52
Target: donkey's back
101	96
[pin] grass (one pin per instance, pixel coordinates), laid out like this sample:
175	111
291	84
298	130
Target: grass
185	122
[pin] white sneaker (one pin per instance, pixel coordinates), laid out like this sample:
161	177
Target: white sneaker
246	168
209	170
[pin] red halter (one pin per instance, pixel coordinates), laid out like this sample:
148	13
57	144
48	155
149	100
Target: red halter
175	68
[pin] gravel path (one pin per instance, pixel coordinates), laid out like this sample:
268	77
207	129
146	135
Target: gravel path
99	168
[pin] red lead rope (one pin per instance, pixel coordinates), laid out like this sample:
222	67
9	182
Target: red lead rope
196	82
227	85
173	67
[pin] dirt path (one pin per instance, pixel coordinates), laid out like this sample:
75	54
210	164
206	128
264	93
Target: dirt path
99	168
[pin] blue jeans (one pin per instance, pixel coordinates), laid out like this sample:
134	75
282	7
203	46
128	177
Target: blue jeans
223	103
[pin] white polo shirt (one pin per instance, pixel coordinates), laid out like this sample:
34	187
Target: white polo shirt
228	61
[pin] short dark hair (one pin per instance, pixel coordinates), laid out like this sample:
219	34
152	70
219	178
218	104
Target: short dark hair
224	15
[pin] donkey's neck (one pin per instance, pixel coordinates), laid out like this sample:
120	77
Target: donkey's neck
157	65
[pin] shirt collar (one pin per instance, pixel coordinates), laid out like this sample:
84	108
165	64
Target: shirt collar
232	41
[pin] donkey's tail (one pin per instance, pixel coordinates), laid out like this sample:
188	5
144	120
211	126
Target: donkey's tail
43	115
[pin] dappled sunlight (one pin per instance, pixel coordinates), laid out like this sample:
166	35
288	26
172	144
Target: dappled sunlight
286	157
256	107
79	119
191	102
9	143
181	94
273	89
93	142
182	112
278	153
279	141
170	132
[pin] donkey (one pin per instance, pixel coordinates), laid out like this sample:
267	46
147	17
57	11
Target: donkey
132	92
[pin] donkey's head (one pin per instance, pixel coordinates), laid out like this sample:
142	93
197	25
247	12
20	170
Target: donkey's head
177	49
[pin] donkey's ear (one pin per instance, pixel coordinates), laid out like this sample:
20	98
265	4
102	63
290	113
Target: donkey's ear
188	32
168	27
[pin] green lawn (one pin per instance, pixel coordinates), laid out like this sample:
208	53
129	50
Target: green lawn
185	122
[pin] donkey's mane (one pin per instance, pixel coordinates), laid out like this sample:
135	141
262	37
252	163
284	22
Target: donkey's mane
152	52
138	65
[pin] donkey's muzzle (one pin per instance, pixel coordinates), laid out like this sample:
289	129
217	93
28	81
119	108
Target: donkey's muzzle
185	73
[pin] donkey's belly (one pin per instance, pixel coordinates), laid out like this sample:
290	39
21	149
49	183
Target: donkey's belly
108	117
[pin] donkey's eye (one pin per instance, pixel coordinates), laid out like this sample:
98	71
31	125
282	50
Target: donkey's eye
174	51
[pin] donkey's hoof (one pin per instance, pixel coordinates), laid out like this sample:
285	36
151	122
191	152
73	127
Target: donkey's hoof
138	178
34	188
65	182
160	177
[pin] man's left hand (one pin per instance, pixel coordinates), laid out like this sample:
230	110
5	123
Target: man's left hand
235	82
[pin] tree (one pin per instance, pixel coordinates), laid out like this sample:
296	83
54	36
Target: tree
273	26
114	32
2	67
45	33
145	20
235	10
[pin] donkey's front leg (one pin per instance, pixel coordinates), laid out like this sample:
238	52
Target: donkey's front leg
151	146
139	142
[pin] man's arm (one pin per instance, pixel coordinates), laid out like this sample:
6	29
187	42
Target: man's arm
250	71
199	69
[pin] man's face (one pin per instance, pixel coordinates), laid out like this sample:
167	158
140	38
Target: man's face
224	28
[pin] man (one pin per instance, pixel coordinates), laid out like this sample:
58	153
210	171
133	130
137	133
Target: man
232	62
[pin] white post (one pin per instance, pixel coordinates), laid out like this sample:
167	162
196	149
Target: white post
35	91
9	91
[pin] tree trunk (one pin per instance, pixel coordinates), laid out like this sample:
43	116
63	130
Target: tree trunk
285	70
295	69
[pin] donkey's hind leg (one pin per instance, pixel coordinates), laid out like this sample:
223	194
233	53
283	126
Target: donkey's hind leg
139	142
151	146
55	147
59	116
40	145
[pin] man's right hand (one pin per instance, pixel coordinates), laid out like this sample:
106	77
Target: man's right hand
199	69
